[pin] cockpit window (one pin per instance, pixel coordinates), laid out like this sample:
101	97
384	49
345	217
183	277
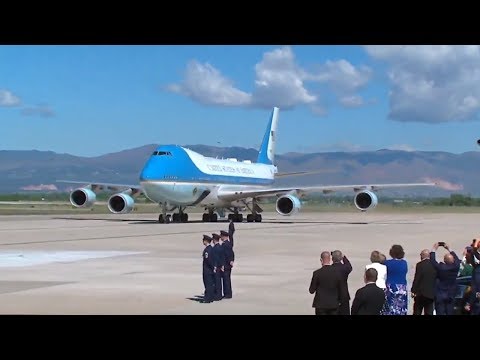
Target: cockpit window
160	153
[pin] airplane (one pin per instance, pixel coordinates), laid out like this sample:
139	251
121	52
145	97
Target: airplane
177	178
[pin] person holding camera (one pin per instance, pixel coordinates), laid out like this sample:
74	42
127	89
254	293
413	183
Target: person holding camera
447	271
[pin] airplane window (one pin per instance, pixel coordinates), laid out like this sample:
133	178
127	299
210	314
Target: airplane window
161	153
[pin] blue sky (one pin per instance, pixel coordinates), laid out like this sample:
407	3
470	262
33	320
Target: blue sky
91	100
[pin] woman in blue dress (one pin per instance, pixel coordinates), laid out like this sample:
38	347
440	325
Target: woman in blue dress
396	284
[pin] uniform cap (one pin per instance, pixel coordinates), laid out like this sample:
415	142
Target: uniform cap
207	238
216	237
223	233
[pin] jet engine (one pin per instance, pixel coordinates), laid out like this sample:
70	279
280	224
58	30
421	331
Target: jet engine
288	205
365	200
82	198
120	203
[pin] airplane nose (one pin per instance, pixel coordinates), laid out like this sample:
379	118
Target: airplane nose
147	172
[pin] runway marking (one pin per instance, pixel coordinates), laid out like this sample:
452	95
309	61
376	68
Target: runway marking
32	258
12	286
288	225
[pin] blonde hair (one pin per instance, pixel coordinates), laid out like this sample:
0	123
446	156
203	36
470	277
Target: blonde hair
376	257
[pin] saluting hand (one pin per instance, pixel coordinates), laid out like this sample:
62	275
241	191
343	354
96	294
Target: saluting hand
231	263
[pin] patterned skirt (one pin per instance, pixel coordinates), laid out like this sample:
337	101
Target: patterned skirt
396	300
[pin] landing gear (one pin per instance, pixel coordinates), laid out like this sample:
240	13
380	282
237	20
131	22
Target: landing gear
254	218
210	216
164	219
236	217
179	217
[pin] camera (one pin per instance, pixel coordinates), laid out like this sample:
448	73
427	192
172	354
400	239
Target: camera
441	243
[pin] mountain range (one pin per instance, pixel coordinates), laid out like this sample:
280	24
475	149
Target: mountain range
32	170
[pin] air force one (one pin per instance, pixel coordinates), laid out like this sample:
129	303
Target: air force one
177	178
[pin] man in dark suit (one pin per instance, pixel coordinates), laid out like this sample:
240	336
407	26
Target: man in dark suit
231	231
369	300
328	286
341	264
423	287
446	288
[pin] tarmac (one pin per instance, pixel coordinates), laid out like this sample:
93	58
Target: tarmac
130	264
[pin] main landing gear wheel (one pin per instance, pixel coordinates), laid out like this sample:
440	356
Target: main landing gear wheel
254	218
164	219
180	218
210	217
235	217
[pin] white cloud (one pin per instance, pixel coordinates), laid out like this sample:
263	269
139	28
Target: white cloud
341	146
39	110
279	81
318	110
346	146
401	147
205	84
7	98
432	84
351	101
342	76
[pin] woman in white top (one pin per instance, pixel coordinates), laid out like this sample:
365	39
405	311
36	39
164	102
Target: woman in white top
376	259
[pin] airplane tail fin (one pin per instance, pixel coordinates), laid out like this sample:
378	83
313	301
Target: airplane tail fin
266	154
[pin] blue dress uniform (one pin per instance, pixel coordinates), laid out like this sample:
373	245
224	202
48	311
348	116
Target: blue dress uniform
208	267
229	259
219	263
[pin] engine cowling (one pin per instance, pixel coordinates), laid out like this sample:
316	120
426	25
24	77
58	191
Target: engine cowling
288	205
365	200
120	203
83	198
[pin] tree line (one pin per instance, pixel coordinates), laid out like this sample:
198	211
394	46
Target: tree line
452	200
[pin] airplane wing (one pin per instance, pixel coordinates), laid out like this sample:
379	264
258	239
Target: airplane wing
296	173
136	189
230	195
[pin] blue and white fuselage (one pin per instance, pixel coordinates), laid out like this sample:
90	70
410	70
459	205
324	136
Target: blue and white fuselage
179	176
176	178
